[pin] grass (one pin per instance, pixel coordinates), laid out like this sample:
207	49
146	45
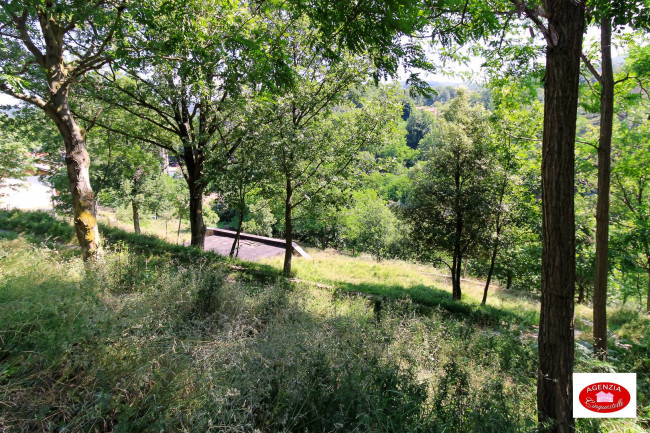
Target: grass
165	230
119	346
157	337
425	285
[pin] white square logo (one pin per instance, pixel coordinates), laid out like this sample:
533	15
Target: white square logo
604	395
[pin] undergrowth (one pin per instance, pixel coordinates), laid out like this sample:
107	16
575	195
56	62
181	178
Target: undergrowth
147	342
127	345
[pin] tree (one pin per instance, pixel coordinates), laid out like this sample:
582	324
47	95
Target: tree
136	180
516	120
453	197
16	157
609	15
631	190
250	171
46	48
318	136
370	225
187	80
418	125
563	34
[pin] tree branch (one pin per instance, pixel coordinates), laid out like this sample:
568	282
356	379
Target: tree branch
591	67
34	100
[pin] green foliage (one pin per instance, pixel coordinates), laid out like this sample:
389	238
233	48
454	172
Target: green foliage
419	124
370	225
36	223
260	219
454	184
15	158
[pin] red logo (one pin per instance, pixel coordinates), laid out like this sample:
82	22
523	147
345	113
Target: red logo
604	397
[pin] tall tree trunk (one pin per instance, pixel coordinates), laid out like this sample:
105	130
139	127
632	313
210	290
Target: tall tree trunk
136	217
647	305
556	340
458	256
456	268
581	291
490	271
602	207
495	249
235	242
197	226
77	164
288	229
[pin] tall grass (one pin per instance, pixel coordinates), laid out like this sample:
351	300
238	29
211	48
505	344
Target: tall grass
127	345
155	338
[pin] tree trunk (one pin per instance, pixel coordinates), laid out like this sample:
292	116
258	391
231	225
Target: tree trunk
136	217
288	229
556	340
197	226
456	268
602	206
458	256
178	233
508	281
581	292
647	304
456	292
235	242
77	164
495	250
490	271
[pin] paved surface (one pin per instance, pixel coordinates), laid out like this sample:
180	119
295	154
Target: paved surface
27	194
248	249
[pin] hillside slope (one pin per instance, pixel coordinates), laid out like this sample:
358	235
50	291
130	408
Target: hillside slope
156	342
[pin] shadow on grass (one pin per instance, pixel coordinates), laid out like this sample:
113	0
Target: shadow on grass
154	249
37	225
427	298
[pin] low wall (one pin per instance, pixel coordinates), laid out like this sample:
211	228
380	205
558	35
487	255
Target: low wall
297	251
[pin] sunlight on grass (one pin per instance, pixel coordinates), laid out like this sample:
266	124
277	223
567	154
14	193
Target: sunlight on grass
166	230
392	277
136	340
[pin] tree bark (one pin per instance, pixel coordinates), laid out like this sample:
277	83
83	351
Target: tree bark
136	217
456	268
495	249
197	226
581	292
647	305
77	164
602	206
509	281
235	242
556	339
458	256
288	229
490	271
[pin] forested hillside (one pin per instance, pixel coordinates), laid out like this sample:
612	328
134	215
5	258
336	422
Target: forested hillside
472	245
